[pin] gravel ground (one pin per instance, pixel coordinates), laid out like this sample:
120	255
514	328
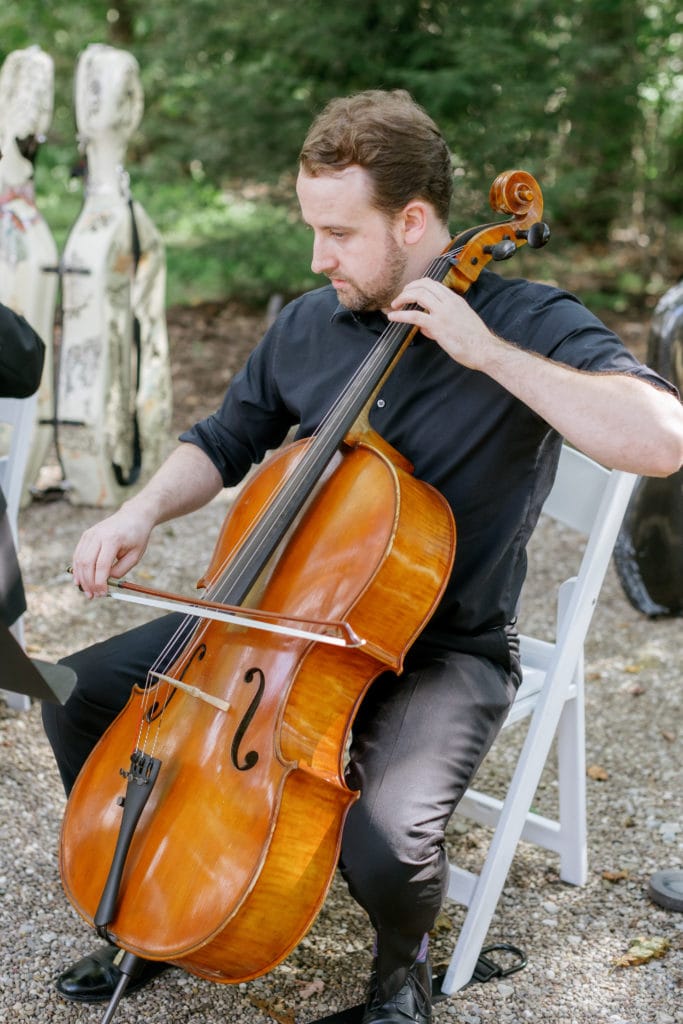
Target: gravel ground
572	936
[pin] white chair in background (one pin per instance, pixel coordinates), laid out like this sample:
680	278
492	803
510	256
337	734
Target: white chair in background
592	501
19	414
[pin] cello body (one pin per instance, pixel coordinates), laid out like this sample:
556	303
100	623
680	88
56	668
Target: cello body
251	801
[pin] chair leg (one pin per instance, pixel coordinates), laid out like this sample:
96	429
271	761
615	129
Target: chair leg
508	832
491	880
571	758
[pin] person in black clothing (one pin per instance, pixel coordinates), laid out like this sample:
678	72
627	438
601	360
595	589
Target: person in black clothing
479	405
22	354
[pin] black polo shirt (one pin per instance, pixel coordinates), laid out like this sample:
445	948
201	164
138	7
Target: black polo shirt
492	458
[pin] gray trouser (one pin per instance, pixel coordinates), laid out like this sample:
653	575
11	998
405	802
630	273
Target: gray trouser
417	741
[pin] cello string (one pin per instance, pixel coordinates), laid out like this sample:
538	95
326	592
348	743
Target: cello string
237	564
166	657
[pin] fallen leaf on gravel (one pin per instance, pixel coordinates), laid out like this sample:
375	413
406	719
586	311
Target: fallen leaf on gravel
615	876
642	950
597	772
311	988
274	1010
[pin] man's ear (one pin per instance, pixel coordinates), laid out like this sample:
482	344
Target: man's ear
414	221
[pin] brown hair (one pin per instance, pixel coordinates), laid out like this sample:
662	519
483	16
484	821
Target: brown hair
393	138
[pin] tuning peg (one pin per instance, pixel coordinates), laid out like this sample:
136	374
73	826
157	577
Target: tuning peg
502	250
537	236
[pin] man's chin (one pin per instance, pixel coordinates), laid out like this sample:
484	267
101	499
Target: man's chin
353	301
345	295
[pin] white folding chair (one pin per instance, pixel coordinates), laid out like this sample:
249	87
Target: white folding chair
591	500
19	414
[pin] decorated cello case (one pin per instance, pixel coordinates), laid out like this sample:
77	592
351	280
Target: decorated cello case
28	254
649	552
114	380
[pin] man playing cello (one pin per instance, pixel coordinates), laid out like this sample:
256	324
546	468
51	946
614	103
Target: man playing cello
479	404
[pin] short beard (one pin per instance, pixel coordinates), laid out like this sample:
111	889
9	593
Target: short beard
380	293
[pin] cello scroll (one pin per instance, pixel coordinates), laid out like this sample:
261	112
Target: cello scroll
518	194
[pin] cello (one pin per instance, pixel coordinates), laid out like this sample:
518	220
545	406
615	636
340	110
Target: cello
217	851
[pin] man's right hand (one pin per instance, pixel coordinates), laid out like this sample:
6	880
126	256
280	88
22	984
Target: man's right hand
184	482
111	548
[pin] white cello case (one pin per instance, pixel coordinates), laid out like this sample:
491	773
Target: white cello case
108	388
27	248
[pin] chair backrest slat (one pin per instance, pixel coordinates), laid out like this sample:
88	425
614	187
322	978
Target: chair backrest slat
578	490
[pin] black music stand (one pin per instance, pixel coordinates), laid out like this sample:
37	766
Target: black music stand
35	678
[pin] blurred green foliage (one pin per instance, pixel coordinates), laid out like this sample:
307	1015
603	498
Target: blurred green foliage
586	95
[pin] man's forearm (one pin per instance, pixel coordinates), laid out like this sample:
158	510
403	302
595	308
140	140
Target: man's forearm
620	421
186	481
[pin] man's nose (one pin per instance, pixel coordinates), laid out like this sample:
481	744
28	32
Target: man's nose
323	259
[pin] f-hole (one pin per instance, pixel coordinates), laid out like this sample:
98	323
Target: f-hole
251	757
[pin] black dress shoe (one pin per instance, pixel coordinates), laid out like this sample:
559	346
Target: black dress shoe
94	978
412	1004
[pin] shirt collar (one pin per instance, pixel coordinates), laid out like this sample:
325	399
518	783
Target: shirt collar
373	320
